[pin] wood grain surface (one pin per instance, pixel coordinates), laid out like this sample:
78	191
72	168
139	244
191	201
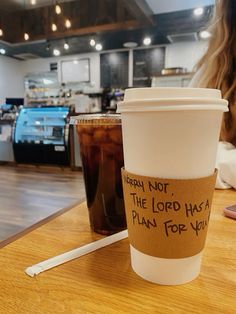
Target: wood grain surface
29	195
103	281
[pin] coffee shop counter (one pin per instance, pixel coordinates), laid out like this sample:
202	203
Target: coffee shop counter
103	281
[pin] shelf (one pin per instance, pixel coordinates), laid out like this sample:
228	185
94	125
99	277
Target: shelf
173	74
42	135
43	125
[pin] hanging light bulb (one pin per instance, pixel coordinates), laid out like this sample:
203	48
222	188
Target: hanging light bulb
68	23
147	41
56	52
205	34
54	27
58	9
48	46
33	2
98	47
26	36
92	42
198	11
1	32
66	46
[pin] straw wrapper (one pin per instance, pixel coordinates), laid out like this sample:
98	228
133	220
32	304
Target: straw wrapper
68	256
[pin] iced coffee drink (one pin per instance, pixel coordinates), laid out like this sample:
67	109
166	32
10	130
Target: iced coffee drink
101	151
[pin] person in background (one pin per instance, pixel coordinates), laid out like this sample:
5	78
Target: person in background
217	69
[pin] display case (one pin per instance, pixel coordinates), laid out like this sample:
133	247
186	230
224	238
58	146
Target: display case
41	135
42	89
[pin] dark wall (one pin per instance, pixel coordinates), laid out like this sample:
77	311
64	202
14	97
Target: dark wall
147	63
114	69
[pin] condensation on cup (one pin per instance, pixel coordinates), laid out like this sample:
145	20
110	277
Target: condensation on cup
101	151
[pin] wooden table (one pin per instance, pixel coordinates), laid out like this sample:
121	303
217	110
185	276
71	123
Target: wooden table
103	281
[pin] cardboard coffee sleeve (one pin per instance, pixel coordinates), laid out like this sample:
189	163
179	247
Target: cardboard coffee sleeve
167	218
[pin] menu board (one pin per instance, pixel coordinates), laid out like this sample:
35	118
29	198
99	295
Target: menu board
147	63
77	70
114	69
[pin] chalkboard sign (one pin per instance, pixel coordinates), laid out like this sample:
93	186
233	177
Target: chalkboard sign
114	69
77	70
147	63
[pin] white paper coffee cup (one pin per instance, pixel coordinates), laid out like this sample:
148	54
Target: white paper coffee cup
170	133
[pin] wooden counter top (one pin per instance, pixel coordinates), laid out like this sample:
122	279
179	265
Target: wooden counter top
103	281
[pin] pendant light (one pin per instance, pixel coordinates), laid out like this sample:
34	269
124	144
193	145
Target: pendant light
56	52
205	34
92	42
147	41
26	34
66	45
54	27
68	23
198	11
57	8
98	47
48	46
1	30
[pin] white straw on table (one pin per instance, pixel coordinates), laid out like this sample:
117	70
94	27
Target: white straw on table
68	256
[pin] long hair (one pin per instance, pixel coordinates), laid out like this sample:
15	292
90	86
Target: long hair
219	62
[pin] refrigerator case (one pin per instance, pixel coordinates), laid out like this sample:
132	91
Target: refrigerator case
41	136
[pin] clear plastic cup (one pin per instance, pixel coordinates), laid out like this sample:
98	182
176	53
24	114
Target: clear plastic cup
101	152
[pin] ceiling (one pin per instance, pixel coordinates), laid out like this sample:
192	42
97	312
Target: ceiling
15	5
157	6
110	22
164	6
